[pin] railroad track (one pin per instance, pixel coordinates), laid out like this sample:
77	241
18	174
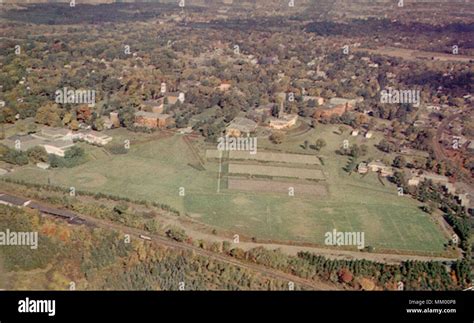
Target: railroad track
76	218
307	284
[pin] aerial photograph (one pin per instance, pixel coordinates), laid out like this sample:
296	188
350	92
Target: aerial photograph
299	146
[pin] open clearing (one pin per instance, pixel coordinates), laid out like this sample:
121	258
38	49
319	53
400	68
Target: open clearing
157	166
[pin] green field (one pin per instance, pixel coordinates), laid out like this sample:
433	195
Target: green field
155	169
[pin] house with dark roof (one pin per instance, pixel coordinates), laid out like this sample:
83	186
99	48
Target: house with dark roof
10	200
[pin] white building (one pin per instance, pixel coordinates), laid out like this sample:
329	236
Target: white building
58	147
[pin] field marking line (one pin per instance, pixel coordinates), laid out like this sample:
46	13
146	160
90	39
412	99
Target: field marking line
219	174
398	231
347	220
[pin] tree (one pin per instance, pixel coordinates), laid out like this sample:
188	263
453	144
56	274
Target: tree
399	162
277	137
320	143
72	157
176	234
15	157
49	115
84	113
7	115
37	154
399	179
355	151
306	144
385	146
345	275
98	124
74	125
363	150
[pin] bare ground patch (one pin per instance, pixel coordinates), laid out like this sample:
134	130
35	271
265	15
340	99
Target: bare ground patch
276	187
273	171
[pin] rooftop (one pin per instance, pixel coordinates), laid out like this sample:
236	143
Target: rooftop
59	143
12	200
153	103
243	124
147	114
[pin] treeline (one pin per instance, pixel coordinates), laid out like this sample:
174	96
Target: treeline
356	274
177	270
24	257
415	275
18	157
72	157
60	14
375	26
99	259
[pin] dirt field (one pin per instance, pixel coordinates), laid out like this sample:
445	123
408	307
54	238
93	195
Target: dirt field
275	157
276	171
276	187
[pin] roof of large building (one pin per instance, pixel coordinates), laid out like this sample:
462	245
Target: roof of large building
94	133
147	114
26	142
156	102
55	132
243	124
59	143
378	163
338	101
12	199
435	177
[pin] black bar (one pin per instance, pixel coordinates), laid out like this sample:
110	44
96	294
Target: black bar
80	306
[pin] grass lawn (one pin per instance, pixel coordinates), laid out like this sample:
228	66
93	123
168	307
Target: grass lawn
155	169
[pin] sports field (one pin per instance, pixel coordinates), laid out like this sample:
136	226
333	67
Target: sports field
156	168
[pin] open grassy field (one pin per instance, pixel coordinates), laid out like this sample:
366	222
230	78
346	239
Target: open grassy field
152	170
157	166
